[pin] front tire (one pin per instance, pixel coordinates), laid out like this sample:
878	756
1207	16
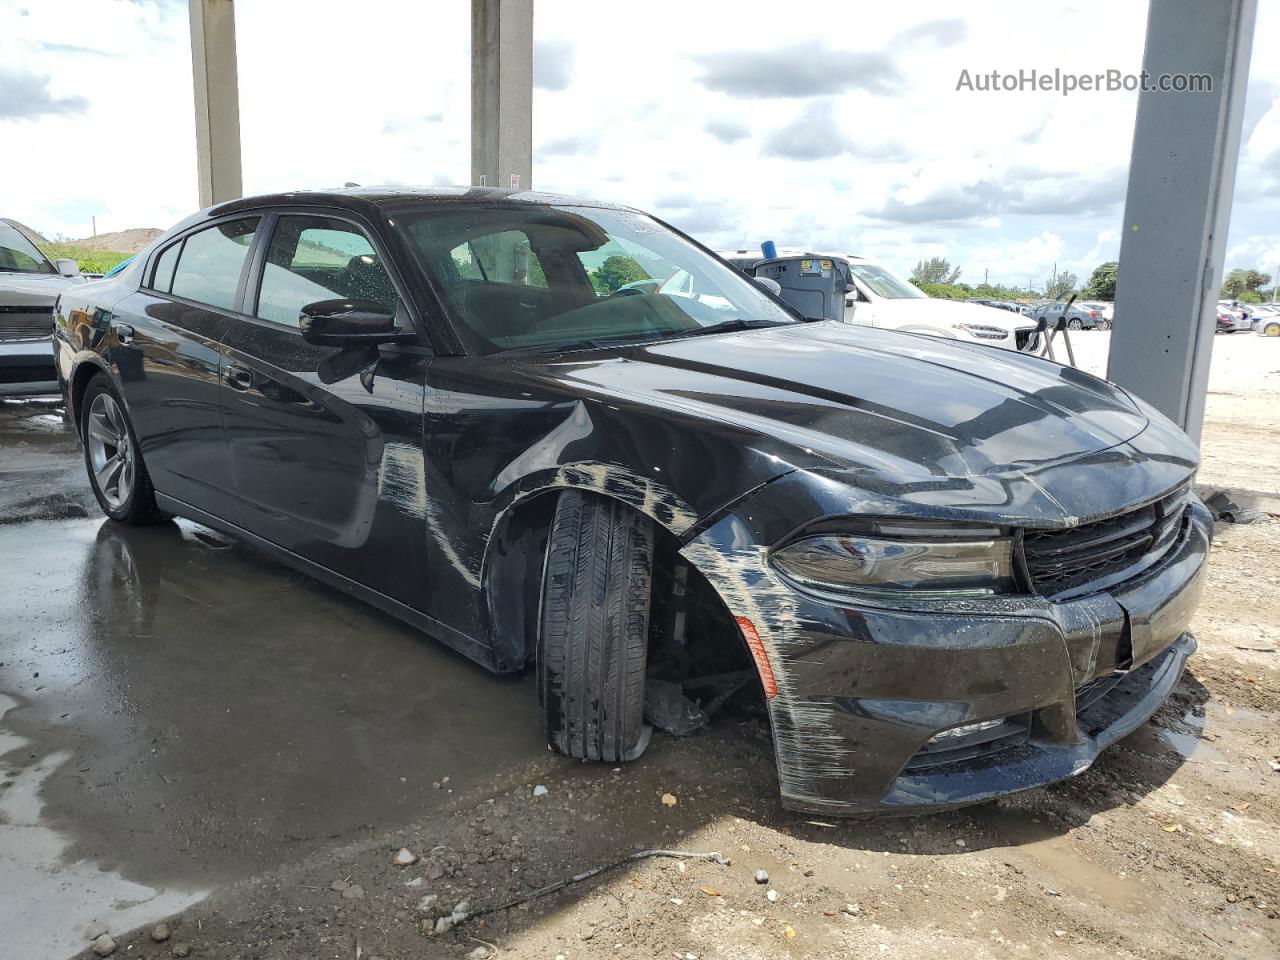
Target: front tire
1271	330
594	628
113	457
1075	324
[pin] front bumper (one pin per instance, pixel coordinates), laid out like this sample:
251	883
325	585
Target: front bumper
862	690
26	367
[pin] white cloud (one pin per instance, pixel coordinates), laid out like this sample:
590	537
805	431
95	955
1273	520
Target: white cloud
767	126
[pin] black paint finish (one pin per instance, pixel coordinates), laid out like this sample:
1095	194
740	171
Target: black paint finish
416	477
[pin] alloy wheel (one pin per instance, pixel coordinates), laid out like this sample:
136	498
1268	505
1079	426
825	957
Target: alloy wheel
111	455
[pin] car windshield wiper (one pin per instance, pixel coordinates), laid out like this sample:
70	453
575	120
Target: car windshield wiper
726	326
598	343
629	340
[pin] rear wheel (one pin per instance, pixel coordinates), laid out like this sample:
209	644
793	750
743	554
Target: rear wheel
113	458
594	628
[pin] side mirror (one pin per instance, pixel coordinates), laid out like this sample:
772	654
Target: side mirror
769	284
68	268
348	323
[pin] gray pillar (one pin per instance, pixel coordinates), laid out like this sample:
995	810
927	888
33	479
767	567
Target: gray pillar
1181	176
213	63
502	93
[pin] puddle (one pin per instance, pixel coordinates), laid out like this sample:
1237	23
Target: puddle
1190	744
1070	873
46	903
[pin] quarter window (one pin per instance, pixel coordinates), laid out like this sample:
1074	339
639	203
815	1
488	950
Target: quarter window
319	258
163	279
212	259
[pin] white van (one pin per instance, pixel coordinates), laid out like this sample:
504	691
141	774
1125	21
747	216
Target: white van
882	298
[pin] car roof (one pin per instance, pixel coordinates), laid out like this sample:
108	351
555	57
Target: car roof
361	199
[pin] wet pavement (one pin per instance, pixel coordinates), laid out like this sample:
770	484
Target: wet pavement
177	712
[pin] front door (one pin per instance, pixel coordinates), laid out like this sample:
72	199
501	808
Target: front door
326	442
166	354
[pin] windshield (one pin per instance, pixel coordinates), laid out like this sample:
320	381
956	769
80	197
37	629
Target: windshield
18	254
885	284
549	278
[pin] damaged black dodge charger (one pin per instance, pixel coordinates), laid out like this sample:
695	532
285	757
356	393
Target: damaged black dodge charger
556	432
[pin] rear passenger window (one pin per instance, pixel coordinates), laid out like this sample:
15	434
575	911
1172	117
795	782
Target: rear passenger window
319	258
212	259
163	278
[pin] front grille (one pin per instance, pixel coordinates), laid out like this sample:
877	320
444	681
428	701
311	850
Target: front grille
1087	694
25	322
1027	340
1062	561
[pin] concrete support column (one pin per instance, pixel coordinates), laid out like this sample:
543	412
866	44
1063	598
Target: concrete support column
1181	178
217	95
502	93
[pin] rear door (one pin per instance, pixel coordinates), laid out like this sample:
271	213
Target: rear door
326	442
166	354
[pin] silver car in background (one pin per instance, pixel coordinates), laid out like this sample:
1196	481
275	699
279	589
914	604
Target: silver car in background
29	285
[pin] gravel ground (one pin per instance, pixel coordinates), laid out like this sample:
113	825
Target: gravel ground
1168	847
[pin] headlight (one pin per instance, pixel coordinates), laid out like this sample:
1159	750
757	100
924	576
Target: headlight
982	331
943	567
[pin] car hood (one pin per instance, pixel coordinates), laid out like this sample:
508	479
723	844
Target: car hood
890	406
39	289
942	312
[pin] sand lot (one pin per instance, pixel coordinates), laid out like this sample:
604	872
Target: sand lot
1240	445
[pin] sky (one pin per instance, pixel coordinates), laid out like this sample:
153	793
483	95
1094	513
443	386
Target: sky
829	127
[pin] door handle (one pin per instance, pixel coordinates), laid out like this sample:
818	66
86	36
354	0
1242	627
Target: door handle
124	333
238	378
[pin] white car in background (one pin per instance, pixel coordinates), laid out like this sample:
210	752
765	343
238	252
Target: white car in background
882	298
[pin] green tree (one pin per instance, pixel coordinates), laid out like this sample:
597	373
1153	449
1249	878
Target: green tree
1063	285
615	272
1102	284
1244	284
946	291
934	270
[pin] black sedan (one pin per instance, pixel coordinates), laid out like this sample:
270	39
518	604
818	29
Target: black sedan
948	572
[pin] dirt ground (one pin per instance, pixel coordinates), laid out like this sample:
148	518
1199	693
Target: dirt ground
1169	847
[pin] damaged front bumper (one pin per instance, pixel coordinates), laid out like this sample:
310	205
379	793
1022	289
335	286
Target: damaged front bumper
947	704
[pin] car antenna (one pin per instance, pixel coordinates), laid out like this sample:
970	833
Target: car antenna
1059	326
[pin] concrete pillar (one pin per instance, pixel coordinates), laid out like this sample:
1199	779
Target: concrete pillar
213	63
1181	178
502	93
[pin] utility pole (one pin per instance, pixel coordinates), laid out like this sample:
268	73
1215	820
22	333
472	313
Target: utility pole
986	272
95	225
1275	283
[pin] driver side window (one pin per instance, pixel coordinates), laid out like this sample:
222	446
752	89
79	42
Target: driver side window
319	258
